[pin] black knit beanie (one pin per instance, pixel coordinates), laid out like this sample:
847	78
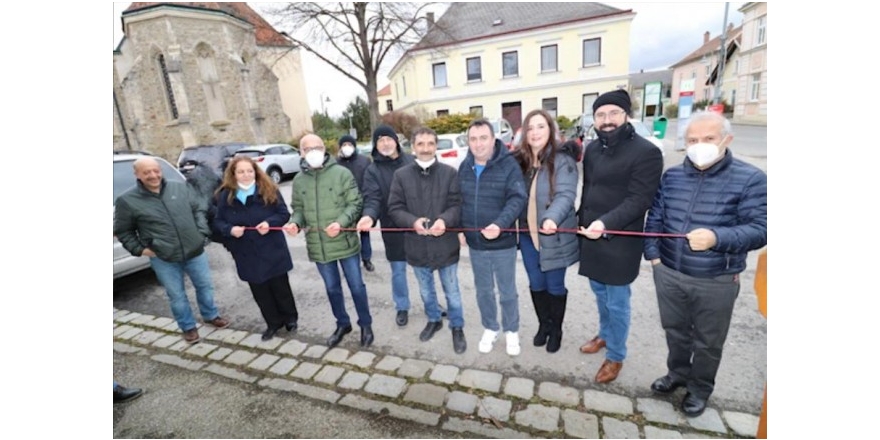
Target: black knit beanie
347	138
384	130
617	97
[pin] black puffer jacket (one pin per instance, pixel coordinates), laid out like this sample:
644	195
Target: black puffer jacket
377	186
434	194
730	198
172	223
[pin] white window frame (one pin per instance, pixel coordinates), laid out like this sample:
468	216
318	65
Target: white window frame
516	64
435	78
755	88
584	52
478	73
761	31
555	58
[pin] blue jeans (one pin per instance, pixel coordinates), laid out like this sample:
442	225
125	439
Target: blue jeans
449	281
500	264
553	281
613	303
171	276
366	246
351	266
399	286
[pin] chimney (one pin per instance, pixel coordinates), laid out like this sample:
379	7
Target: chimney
706	37
430	17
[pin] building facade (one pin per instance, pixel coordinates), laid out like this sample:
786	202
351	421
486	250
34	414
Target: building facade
502	60
201	73
751	79
701	66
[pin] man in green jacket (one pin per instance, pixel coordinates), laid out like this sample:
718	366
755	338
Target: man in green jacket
165	221
326	199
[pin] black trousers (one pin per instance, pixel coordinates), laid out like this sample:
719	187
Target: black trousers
695	314
275	300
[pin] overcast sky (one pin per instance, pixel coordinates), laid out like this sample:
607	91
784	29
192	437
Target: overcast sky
662	33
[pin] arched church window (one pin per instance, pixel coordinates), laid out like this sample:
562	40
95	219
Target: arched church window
166	82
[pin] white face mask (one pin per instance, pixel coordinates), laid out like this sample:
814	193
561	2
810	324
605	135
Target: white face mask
315	158
347	150
702	154
248	186
425	165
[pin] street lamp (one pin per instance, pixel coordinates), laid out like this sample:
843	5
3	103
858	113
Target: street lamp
323	100
722	55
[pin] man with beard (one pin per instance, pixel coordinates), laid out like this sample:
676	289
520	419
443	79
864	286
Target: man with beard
621	175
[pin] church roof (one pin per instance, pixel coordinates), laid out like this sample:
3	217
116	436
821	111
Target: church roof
266	35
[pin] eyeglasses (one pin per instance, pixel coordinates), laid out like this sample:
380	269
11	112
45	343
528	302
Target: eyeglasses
611	114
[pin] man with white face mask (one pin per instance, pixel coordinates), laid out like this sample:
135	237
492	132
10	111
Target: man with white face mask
721	204
357	163
325	199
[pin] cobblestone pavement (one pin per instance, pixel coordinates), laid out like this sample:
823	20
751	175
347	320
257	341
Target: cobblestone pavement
446	396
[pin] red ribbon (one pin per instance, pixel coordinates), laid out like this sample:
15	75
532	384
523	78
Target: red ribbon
562	230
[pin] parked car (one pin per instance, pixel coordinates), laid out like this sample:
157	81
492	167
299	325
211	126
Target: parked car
365	148
580	127
451	149
123	178
502	130
277	160
641	129
214	156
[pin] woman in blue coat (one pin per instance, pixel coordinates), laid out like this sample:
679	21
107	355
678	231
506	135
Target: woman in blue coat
248	204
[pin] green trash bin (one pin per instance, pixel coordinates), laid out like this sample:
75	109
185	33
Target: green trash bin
660	127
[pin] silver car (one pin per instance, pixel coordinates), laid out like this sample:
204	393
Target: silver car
277	160
125	263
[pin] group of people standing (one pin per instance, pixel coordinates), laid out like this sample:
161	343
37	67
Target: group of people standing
703	217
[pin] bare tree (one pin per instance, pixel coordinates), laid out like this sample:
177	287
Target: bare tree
355	38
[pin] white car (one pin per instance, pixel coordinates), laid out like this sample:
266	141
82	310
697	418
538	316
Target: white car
452	149
124	262
277	160
641	130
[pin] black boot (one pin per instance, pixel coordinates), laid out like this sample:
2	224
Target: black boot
557	316
541	302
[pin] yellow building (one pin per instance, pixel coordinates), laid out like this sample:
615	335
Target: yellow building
502	60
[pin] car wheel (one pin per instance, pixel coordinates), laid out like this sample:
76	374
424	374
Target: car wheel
275	175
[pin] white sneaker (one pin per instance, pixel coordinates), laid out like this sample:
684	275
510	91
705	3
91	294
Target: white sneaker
487	340
512	343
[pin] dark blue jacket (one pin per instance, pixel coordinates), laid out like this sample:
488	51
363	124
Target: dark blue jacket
498	196
258	258
730	198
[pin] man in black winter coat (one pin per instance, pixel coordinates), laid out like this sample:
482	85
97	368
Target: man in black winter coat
357	164
621	175
388	157
425	196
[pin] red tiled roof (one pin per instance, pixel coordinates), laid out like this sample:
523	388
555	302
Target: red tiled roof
266	35
385	91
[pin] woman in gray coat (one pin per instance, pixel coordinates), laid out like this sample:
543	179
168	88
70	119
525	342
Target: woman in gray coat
551	180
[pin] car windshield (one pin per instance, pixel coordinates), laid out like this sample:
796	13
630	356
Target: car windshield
249	153
444	144
123	176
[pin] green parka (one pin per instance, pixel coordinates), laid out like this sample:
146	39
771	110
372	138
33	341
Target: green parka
172	223
320	197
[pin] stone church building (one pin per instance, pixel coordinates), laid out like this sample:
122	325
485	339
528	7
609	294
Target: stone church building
203	73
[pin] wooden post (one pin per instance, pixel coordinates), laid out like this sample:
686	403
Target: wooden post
761	291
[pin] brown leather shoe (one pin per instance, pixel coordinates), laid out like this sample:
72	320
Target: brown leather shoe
219	322
593	345
608	371
191	336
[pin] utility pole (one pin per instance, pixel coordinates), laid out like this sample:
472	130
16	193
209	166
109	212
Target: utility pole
722	56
